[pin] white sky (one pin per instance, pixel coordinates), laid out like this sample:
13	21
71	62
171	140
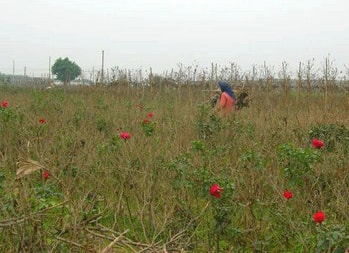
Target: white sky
162	33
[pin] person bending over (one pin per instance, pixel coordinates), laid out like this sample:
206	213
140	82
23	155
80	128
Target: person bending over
227	99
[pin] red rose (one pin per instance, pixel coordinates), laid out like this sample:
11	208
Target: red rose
4	104
150	115
319	217
317	143
288	194
45	174
216	191
42	121
125	135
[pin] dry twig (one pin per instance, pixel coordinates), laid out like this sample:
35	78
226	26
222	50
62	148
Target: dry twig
106	249
15	221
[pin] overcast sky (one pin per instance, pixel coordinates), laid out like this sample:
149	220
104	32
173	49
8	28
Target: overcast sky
162	33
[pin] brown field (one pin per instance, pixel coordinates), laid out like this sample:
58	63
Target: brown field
150	193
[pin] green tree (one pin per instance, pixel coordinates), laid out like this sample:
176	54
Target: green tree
65	70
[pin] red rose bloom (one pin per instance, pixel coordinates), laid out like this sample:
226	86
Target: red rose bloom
125	135
319	217
288	194
150	115
216	191
42	121
317	143
4	104
45	174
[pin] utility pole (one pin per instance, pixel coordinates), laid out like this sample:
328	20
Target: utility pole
93	75
25	70
102	76
49	70
13	71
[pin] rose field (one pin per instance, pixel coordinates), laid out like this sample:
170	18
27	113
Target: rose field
155	169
